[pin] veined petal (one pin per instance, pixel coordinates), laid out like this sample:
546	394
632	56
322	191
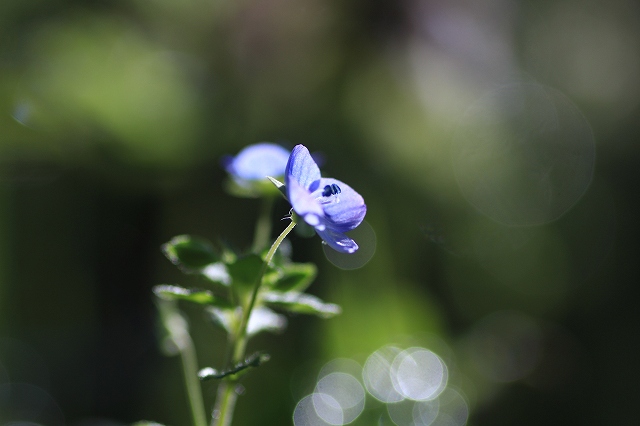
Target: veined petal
338	241
302	168
304	204
343	211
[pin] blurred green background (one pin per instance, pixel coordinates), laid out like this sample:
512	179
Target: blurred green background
495	143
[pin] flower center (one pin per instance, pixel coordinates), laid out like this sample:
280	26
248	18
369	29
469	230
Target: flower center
330	190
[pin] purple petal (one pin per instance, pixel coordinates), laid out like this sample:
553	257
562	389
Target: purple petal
301	167
258	161
305	205
338	241
344	211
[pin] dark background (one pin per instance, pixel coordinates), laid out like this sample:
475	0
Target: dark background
114	116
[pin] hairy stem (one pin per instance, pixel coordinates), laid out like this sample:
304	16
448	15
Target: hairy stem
227	396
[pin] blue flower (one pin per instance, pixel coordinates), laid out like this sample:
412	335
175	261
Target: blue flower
249	169
258	161
330	206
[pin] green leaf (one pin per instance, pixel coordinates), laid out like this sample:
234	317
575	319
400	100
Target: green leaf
276	182
146	423
244	272
295	277
224	318
271	277
300	303
191	254
174	327
202	297
264	319
279	185
217	273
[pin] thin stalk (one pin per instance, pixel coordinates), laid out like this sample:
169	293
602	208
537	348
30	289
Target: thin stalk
190	370
178	330
242	335
225	403
263	225
226	398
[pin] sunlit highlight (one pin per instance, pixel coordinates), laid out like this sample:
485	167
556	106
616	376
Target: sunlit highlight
377	375
418	374
412	384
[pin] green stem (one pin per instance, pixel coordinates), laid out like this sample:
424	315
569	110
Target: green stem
176	325
226	398
225	403
263	226
190	370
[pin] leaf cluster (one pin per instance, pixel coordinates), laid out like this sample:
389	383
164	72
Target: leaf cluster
231	279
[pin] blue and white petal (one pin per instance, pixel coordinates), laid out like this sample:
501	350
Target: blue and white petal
303	168
344	210
338	241
257	161
304	204
331	206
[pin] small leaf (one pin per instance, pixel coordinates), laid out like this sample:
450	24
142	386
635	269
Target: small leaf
255	360
217	273
223	318
264	319
146	423
174	292
281	187
244	272
271	277
295	277
276	182
189	253
301	303
174	326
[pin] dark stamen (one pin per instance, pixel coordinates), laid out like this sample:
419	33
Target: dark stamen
330	190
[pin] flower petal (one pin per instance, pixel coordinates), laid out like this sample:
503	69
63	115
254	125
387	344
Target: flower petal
258	161
338	241
304	204
302	167
343	211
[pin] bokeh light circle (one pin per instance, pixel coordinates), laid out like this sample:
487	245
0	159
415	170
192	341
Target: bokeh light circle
365	236
453	409
341	365
376	375
306	411
426	412
402	412
418	374
346	391
523	154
